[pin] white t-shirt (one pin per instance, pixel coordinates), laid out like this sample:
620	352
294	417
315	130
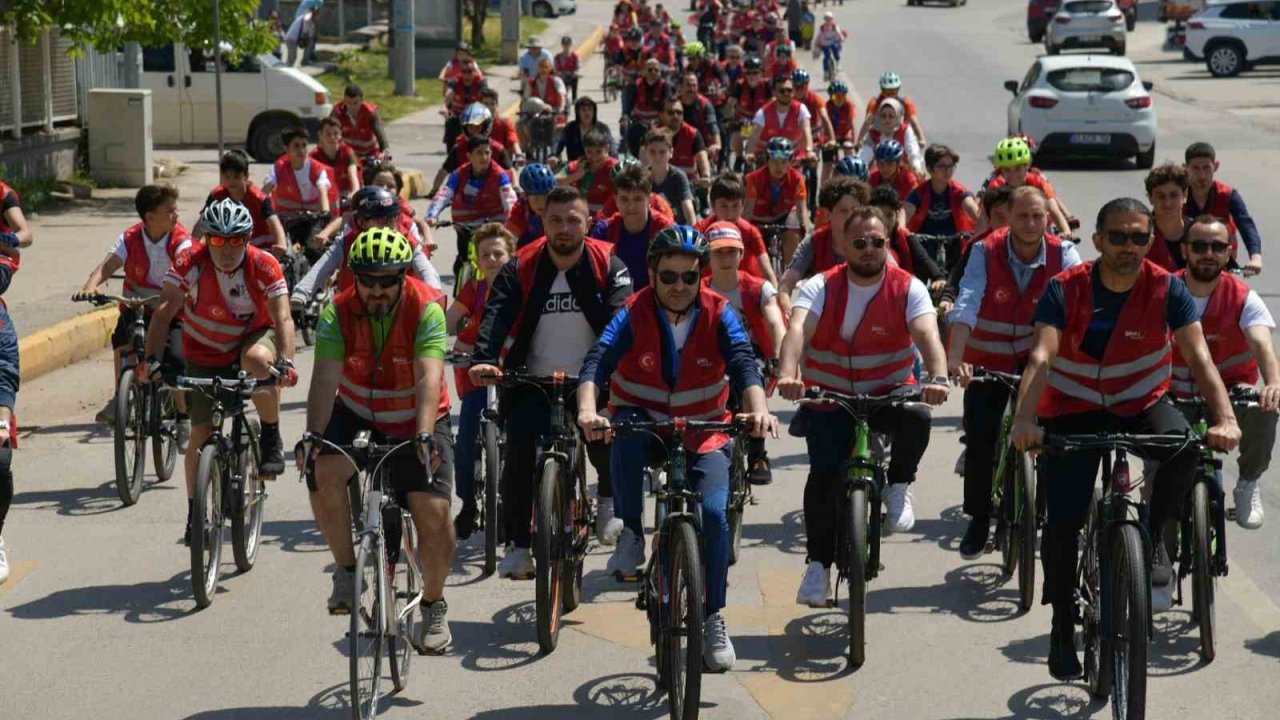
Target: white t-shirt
734	296
680	332
781	111
1253	314
157	256
306	189
563	335
812	296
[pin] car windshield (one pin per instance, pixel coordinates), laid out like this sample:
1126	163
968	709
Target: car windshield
1088	79
1088	6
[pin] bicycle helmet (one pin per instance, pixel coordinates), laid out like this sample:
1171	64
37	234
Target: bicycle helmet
379	249
566	40
227	218
675	24
838	88
678	239
478	114
780	148
752	63
633	33
625	163
784	49
853	167
799	77
1011	152
890	81
537	179
694	49
374	202
888	151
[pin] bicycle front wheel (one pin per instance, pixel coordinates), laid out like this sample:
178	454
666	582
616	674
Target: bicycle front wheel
684	612
164	444
404	596
1130	618
206	526
1025	530
492	510
130	438
548	555
856	536
737	502
1203	582
248	505
368	627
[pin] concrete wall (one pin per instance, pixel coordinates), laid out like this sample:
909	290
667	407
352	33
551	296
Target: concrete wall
41	155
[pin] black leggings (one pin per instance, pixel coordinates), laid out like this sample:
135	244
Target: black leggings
6	484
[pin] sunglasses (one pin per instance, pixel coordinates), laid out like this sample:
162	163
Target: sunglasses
1118	238
688	277
221	240
862	243
383	282
1201	247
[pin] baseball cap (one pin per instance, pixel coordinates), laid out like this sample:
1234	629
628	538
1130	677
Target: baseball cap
724	234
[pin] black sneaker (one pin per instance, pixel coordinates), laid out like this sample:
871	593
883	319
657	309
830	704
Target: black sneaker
760	472
1161	567
465	523
974	542
271	452
1064	664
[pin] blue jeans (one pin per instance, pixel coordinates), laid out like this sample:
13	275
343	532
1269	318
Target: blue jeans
833	52
708	473
465	447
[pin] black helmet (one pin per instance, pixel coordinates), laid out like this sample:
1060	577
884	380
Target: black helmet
375	202
633	33
679	239
753	63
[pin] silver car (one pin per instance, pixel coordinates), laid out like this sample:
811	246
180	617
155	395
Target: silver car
1086	24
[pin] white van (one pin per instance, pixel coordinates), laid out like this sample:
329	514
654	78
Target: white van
261	96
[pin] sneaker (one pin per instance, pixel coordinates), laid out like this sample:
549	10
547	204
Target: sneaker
516	564
1161	598
433	636
344	587
608	527
815	586
183	432
271	452
1161	567
4	562
465	523
761	473
898	501
627	559
959	468
717	650
1248	504
107	415
1064	663
975	538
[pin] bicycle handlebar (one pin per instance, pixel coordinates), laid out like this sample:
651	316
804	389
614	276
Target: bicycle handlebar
678	426
983	375
1240	396
101	299
1076	442
900	394
244	386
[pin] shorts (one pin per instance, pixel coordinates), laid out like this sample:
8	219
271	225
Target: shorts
199	404
407	472
122	336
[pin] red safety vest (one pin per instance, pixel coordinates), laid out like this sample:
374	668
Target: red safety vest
1159	252
900	246
1002	336
900	135
137	265
1228	345
380	386
527	259
815	103
1134	371
464	94
13	262
547	93
765	204
211	335
253	198
473	296
824	251
287	196
358	131
469	205
879	356
652	226
750	288
751	99
339	164
682	154
789	128
1219	205
903	183
955	194
701	391
1034	179
347	280
566	62
598	185
841	116
648	99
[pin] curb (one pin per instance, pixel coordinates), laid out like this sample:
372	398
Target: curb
66	342
585	50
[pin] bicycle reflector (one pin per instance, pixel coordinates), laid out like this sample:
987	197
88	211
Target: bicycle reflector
1121	479
361	440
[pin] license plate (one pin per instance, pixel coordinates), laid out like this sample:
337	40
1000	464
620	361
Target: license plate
1089	139
1090	38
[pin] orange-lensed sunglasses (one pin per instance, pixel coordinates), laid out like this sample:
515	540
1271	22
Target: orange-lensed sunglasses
221	240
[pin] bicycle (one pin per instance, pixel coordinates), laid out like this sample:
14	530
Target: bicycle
773	233
387	593
1015	498
612	84
944	249
859	521
1113	575
488	471
142	411
672	588
308	318
227	483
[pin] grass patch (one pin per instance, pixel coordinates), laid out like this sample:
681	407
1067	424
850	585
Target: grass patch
37	195
368	69
491	53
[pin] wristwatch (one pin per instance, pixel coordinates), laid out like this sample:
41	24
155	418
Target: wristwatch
937	380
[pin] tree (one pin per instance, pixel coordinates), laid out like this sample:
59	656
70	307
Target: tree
112	23
477	10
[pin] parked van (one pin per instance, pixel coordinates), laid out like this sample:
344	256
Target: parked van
261	96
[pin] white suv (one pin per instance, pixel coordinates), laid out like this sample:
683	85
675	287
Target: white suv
1235	35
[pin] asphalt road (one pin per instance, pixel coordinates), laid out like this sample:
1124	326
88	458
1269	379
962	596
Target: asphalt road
98	619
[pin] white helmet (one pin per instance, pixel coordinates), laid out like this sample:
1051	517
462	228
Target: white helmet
227	218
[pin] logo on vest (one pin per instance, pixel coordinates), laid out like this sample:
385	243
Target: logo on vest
648	361
704	362
218	313
1134	335
879	330
1002	295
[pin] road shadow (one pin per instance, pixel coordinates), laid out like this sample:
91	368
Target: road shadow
1031	651
468	562
811	649
1175	644
333	702
786	535
509	641
944	531
296	536
80	501
602	586
978	593
624	695
143	603
83	433
1268	645
1051	701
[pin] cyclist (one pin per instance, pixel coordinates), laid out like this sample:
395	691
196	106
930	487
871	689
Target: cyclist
494	245
666	354
235	316
891	87
784	116
650	93
861	341
630	231
689	147
727	198
1013	162
840	113
145	250
749	94
1004	276
547	88
477	121
525	220
1240	345
700	113
776	195
630	63
671	182
905	249
592	174
780	60
708	76
298	184
413	228
825	247
657	44
891	172
940	205
568	65
545	310
380	368
1167	191
887	124
461	54
233	174
996	212
503	130
829	40
657	203
14	230
527	64
586	119
1210	196
480	190
361	124
1101	361
820	128
339	156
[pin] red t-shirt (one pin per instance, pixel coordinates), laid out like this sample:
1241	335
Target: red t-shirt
752	244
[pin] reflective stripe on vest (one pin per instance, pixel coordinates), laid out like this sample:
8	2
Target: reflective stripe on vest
1002	334
1228	344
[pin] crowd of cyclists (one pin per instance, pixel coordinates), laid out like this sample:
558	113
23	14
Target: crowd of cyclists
739	236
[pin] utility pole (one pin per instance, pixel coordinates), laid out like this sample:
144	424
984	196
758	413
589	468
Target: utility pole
510	30
217	69
405	33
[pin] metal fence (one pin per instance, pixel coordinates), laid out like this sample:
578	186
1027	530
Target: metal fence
97	70
37	82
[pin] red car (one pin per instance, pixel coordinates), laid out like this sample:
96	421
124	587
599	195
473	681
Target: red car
1040	12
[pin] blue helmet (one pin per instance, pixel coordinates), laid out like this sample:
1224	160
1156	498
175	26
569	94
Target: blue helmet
838	87
780	148
537	179
853	167
678	239
888	151
800	76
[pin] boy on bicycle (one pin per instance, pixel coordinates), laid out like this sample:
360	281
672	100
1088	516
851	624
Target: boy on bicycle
233	174
480	191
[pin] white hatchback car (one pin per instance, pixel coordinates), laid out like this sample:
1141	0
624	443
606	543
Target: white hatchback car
1085	105
1086	24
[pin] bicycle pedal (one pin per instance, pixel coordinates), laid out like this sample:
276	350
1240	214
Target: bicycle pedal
623	577
340	612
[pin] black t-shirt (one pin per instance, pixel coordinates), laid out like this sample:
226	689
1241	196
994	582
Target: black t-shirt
675	188
10	200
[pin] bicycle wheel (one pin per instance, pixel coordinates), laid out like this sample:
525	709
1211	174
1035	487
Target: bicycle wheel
1025	530
683	636
492	511
548	555
1094	588
308	332
1007	538
1203	581
737	503
402	607
164	444
130	438
368	627
248	504
206	526
856	537
1130	618
579	519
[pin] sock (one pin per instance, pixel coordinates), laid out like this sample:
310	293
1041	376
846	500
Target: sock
272	429
182	416
191	509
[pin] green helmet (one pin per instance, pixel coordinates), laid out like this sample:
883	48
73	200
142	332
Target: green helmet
625	163
694	49
1012	152
379	248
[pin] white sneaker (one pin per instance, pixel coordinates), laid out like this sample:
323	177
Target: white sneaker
1161	598
717	648
516	564
4	562
608	527
1248	504
897	498
627	559
815	586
